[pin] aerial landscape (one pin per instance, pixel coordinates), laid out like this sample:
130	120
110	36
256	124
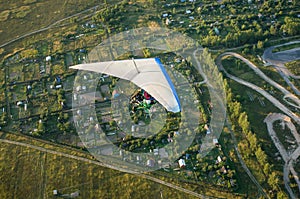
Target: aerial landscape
150	99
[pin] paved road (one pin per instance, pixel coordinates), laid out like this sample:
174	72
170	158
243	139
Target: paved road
280	58
106	165
288	158
256	88
269	120
287	94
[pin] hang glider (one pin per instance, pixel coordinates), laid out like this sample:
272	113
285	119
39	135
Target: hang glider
148	74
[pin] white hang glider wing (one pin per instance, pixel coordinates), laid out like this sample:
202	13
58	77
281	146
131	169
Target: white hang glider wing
148	74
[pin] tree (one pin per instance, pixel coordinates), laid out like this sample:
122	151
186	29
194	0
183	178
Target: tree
3	118
260	45
252	141
281	195
291	26
243	122
261	156
41	127
244	148
267	169
273	30
273	181
147	53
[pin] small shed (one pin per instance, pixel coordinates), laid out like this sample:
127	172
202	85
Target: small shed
150	163
215	141
48	58
219	159
181	163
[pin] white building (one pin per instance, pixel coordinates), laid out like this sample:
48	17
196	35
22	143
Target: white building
181	163
48	58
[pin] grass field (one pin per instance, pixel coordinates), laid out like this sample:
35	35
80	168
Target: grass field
35	174
35	14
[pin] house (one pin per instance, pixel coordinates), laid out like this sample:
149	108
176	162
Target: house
223	170
181	163
216	31
215	141
208	132
188	11
55	192
58	86
206	127
133	128
78	88
259	15
48	58
150	163
155	151
165	15
219	159
168	22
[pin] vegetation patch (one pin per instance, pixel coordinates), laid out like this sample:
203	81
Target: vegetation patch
286	47
4	15
21	12
29	1
294	67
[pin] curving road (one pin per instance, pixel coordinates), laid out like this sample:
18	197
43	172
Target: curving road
280	58
272	117
288	158
256	88
286	93
227	121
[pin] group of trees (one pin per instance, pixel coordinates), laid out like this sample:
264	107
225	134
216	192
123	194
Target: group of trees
239	22
250	147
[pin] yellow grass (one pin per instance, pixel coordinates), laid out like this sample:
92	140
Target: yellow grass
4	15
